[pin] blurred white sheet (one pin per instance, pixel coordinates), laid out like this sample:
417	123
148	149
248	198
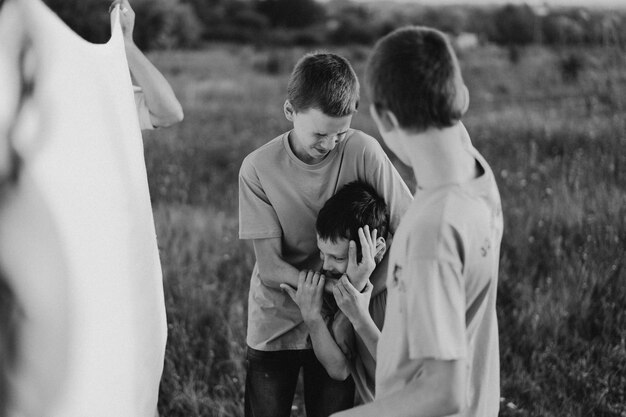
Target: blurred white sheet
77	238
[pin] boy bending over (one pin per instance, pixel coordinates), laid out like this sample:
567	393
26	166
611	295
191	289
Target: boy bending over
282	186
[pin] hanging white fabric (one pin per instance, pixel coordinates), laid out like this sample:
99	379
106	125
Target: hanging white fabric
77	238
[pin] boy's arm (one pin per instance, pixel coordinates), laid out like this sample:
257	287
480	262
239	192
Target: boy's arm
308	297
165	109
273	270
439	391
355	305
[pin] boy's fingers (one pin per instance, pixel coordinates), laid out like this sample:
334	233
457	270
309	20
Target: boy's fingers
337	294
289	290
320	284
347	286
112	6
301	278
374	237
352	253
315	279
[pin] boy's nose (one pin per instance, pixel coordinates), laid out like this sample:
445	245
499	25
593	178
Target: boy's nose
327	265
329	143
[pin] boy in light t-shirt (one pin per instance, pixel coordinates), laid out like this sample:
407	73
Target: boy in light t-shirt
282	186
438	351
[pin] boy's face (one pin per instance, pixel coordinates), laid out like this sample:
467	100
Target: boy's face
334	257
314	133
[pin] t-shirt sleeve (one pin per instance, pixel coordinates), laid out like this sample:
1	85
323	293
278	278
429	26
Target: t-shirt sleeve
380	172
435	304
143	113
257	217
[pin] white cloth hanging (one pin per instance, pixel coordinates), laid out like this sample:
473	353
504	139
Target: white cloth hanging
77	238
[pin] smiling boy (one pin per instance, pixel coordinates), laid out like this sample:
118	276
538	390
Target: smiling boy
282	186
347	218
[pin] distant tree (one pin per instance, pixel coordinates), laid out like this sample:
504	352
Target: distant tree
166	24
88	18
292	13
559	29
447	19
515	25
352	24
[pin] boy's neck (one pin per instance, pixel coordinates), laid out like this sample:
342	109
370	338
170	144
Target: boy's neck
440	156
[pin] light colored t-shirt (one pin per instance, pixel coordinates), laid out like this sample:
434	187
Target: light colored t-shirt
143	113
363	365
279	197
442	286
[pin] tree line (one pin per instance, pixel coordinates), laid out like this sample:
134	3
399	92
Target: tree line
187	23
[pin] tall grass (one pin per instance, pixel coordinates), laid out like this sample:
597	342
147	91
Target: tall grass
560	163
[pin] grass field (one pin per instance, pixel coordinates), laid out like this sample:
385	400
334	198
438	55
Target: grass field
558	148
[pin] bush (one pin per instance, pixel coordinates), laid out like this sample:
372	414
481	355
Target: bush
165	24
571	66
515	25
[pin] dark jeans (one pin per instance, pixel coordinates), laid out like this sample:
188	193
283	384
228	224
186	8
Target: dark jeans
272	378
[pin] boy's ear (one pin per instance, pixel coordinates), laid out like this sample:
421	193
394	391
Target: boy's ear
381	248
289	110
464	99
385	120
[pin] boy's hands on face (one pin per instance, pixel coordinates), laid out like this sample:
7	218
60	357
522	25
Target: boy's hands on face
308	295
354	304
127	18
359	273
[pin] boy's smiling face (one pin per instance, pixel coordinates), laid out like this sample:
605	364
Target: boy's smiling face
334	256
315	134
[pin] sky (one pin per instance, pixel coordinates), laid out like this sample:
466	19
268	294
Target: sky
557	3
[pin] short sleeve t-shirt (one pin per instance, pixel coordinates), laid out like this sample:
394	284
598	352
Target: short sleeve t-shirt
279	197
442	285
143	113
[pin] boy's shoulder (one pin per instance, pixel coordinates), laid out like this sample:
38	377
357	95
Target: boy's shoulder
360	142
266	153
273	146
443	217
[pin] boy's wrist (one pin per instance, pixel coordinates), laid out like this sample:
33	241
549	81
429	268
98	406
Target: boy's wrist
314	320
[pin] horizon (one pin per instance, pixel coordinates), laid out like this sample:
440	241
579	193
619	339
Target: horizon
534	3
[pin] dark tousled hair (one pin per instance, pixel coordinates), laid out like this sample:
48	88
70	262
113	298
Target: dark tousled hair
326	82
414	73
355	205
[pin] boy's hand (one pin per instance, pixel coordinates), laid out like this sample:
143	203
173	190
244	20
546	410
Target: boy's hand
359	273
127	19
308	296
354	304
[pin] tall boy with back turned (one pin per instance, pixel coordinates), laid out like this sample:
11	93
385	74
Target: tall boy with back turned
438	351
282	186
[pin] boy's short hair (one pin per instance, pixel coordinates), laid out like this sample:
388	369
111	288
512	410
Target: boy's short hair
326	82
355	205
414	73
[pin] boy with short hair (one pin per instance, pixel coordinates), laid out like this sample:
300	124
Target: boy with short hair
438	352
282	186
347	217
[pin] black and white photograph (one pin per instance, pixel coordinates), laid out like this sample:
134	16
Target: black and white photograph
312	208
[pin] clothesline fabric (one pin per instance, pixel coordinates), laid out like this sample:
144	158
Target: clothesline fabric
77	237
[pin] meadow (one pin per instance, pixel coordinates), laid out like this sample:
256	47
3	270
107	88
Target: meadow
556	140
